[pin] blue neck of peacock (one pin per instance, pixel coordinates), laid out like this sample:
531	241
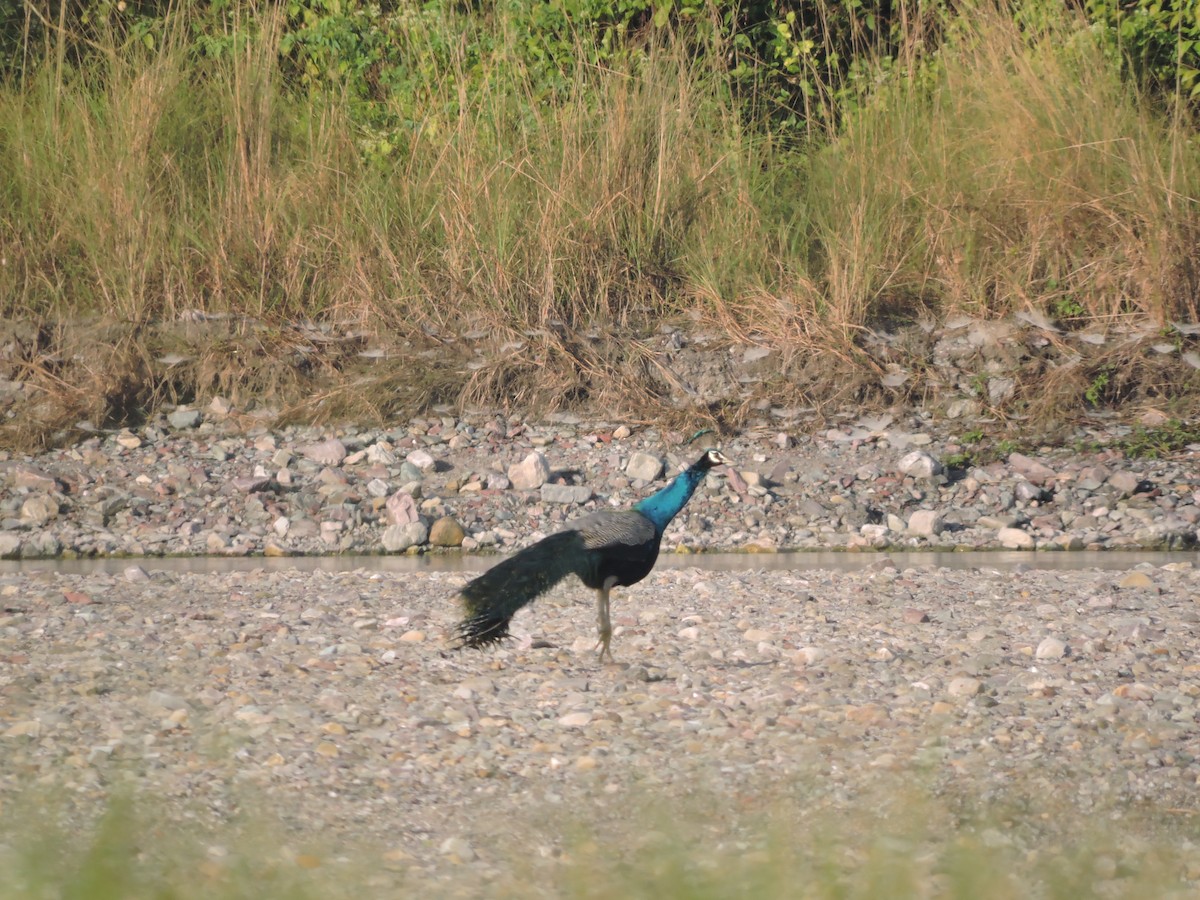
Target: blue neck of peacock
662	507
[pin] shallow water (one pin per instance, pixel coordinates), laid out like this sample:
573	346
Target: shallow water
718	562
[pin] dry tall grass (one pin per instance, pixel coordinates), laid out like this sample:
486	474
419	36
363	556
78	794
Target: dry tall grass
1012	170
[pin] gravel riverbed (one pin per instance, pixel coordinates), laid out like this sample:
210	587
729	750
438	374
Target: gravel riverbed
329	700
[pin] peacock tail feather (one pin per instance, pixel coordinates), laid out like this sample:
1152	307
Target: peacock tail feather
492	599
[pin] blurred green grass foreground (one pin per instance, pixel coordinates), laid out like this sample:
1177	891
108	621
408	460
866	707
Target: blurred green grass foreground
894	842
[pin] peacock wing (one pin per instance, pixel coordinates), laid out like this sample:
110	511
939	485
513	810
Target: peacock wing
615	533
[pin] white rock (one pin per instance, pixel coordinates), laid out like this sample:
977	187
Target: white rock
919	464
1051	648
396	538
926	522
1015	539
530	473
422	459
645	466
325	453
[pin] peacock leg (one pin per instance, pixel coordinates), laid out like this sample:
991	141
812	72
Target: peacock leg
604	622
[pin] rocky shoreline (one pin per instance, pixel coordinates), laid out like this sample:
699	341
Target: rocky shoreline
790	690
205	482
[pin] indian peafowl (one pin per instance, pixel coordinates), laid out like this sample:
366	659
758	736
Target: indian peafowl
606	549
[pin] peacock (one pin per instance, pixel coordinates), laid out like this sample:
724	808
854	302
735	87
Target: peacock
606	549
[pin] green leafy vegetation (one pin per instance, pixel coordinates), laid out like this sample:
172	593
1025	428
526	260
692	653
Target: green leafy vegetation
1161	440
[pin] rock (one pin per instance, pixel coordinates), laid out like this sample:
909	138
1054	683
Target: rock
325	453
575	719
919	464
402	508
251	484
913	616
566	493
1026	491
422	459
926	522
10	545
1124	482
1051	648
1033	471
1135	691
446	532
220	407
35	479
40	509
1015	539
964	686
529	474
756	635
135	574
999	389
644	466
397	538
1136	581
183	419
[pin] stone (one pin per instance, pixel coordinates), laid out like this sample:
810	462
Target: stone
1135	691
422	459
644	466
1033	471
529	474
1125	482
1015	539
325	453
397	538
575	719
999	389
39	509
1136	581
251	484
402	508
220	407
919	464
566	493
622	431
756	635
446	532
964	686
1051	648
35	479
914	616
183	419
136	574
926	522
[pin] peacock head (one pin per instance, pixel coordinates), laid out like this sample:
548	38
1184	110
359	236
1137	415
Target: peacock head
711	459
